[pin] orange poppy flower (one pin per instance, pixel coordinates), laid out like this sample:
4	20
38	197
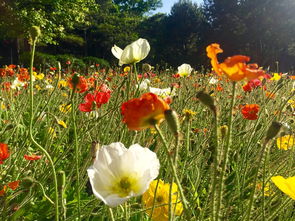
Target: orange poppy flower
81	84
250	111
23	75
235	67
13	185
4	153
144	112
3	191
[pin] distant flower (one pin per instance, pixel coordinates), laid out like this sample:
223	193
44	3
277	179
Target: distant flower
38	76
285	185
3	191
23	75
189	113
250	111
93	101
266	190
65	108
62	83
270	95
13	185
286	142
51	132
118	173
235	67
127	68
254	83
81	84
4	153
144	112
276	77
144	85
158	193
166	92
16	84
53	68
184	70
49	87
213	80
133	53
62	123
32	157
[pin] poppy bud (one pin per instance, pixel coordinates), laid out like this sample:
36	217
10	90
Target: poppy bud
146	67
35	32
75	80
61	179
172	120
28	182
207	100
273	130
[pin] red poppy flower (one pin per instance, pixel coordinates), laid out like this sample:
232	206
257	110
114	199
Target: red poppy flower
250	111
32	157
254	83
144	112
4	153
13	185
94	100
52	68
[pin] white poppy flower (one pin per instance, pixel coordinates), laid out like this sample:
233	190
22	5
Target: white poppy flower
16	84
133	53
213	80
118	173
166	92
185	70
144	85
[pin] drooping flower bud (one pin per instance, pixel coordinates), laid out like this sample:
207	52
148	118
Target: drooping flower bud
173	122
35	32
207	100
273	130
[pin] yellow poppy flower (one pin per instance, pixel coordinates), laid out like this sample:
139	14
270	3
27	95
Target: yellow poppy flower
285	185
285	142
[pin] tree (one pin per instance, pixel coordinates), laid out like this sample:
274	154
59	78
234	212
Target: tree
184	34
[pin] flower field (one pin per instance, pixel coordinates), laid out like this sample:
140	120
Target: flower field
134	143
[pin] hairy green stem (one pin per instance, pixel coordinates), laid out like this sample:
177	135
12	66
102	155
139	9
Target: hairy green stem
76	155
225	153
215	168
171	164
32	137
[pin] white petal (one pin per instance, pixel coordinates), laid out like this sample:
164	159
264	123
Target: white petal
117	52
135	52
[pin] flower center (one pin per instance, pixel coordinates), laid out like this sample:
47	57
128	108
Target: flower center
125	185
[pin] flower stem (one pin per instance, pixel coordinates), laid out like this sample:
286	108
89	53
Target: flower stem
226	153
31	133
111	213
215	167
170	161
76	155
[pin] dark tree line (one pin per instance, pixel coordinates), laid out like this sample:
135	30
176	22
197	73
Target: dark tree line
261	29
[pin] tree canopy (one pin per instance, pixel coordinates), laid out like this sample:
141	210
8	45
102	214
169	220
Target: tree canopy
261	29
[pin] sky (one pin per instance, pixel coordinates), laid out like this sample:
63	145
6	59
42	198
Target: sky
167	4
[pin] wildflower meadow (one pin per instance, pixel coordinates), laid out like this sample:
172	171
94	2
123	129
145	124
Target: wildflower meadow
133	141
